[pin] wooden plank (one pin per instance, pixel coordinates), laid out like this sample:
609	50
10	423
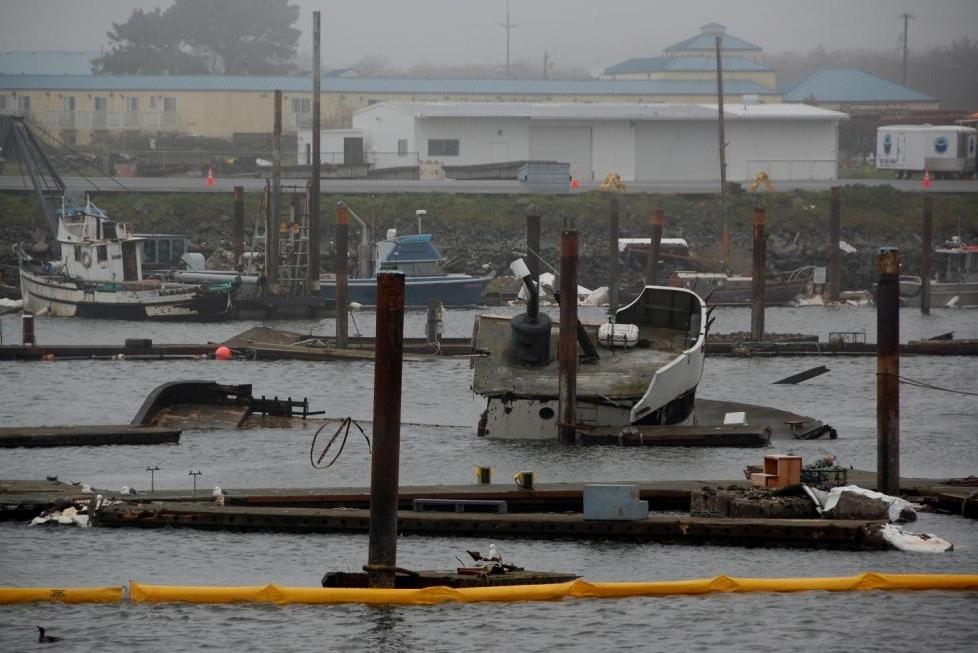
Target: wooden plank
83	436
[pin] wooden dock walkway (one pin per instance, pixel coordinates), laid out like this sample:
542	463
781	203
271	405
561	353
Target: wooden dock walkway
806	533
85	436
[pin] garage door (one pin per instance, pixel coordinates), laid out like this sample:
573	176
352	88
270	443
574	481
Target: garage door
564	144
676	151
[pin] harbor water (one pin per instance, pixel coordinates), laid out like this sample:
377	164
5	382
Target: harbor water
439	445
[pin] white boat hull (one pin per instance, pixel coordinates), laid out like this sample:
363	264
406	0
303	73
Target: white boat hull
62	297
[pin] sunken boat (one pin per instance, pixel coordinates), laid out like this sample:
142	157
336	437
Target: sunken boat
641	368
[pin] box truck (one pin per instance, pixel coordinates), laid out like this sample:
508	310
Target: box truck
945	151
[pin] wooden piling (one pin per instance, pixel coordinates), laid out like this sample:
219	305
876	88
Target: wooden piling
533	246
312	270
614	211
927	248
433	322
388	353
835	235
655	246
758	276
567	346
27	338
888	371
238	229
275	204
342	275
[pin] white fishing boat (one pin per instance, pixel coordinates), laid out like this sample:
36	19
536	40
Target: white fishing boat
100	275
642	369
955	279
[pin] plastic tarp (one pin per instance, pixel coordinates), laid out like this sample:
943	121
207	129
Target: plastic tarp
828	500
61	594
578	589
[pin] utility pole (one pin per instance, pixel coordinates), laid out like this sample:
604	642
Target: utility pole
906	44
546	63
508	26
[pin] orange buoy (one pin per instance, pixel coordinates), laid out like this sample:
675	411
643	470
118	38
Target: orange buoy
222	353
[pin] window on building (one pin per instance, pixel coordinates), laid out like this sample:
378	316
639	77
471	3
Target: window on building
402	147
169	104
24	103
101	104
301	105
5	102
443	147
102	252
153	103
132	104
370	103
68	103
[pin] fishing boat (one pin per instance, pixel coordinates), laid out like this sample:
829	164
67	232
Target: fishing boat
720	289
425	277
955	281
641	369
100	275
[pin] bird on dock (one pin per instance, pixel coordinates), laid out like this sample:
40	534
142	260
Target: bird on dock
41	637
218	492
494	554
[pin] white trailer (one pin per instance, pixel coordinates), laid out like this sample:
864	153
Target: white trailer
945	151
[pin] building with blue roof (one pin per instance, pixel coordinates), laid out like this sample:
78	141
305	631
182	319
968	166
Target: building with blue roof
856	91
695	58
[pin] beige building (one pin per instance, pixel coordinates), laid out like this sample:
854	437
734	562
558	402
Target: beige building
80	107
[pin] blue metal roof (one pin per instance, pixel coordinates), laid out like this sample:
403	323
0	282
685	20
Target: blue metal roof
708	42
48	62
850	86
682	64
407	86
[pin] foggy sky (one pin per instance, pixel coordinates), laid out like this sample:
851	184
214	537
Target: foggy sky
589	35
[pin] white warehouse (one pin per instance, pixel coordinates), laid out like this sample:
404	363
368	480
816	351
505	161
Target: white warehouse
643	142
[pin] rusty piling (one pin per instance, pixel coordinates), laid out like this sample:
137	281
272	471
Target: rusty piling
385	457
342	275
927	248
567	345
758	276
835	235
614	212
312	269
238	228
655	247
888	371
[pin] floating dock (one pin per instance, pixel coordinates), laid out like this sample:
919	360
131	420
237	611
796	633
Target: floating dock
85	436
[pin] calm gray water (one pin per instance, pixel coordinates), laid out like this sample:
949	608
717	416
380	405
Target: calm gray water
440	445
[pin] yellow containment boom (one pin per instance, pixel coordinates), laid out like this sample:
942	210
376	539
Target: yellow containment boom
61	594
578	589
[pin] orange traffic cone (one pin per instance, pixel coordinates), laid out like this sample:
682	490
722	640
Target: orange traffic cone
926	181
210	176
574	183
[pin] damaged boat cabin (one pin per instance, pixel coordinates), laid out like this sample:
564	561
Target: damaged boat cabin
641	368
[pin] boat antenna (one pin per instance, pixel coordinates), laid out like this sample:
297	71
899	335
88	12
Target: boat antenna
544	261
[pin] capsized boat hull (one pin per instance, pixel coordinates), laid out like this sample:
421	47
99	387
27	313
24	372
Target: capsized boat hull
450	290
63	297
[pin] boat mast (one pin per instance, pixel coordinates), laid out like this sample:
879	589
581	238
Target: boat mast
724	234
